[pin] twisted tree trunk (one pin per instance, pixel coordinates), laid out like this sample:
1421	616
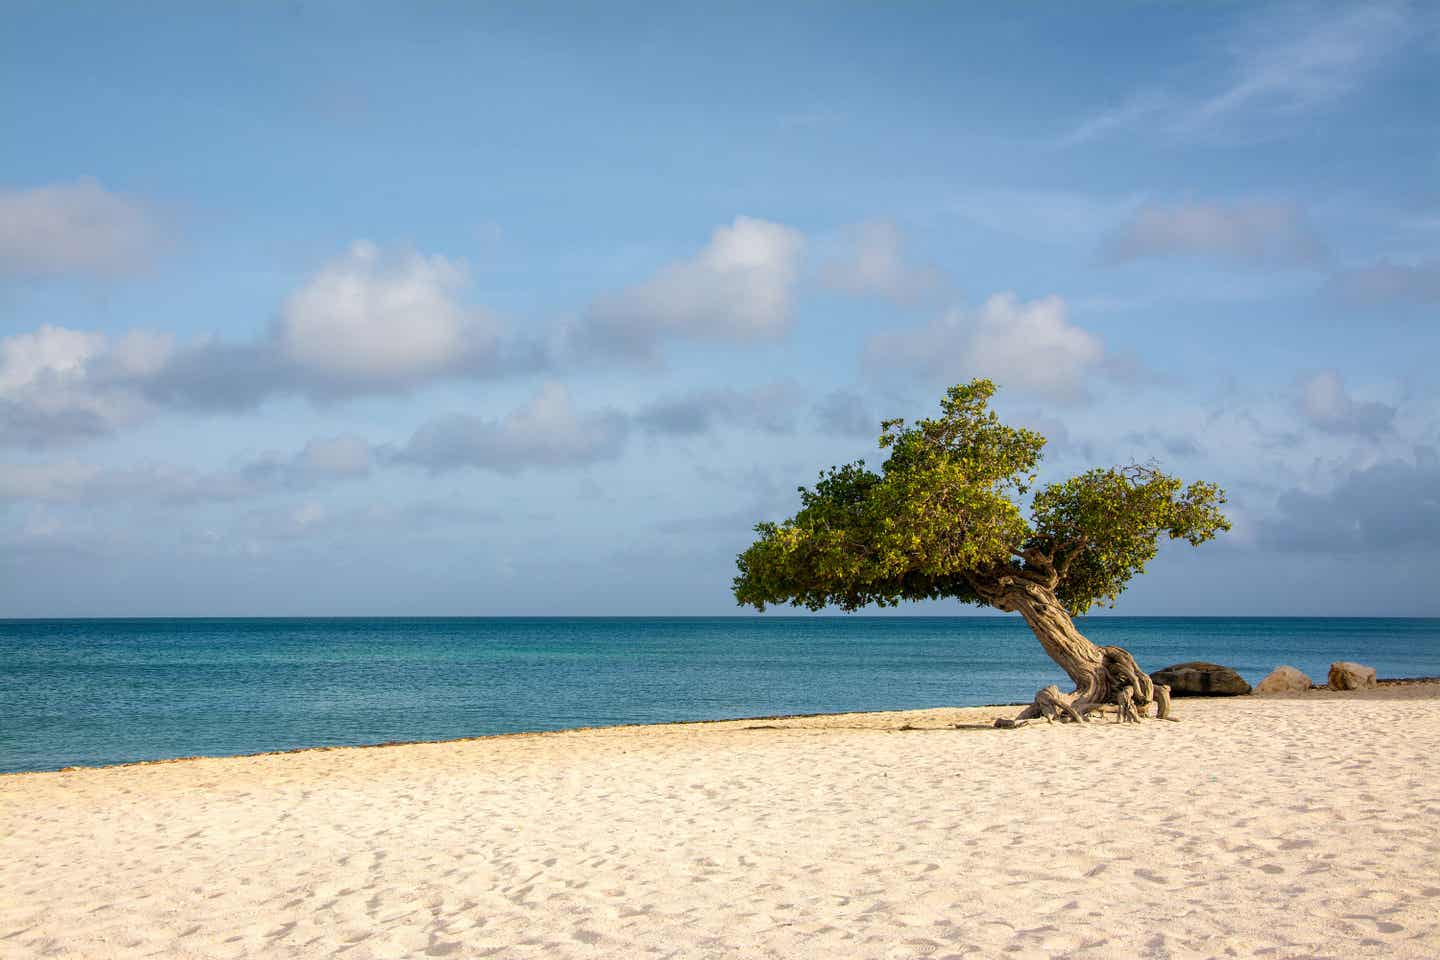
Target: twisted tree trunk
1102	675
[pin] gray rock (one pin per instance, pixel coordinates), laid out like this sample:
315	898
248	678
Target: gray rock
1345	675
1284	680
1200	679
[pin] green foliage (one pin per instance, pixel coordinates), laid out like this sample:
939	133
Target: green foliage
1103	526
942	519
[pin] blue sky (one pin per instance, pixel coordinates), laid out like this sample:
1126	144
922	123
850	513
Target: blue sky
481	309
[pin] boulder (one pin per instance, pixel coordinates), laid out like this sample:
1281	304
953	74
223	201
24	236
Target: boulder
1284	680
1200	679
1345	675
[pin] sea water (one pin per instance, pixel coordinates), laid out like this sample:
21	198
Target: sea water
79	692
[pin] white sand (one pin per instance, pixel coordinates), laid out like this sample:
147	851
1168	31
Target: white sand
1293	827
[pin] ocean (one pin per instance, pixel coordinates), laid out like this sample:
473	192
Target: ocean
89	692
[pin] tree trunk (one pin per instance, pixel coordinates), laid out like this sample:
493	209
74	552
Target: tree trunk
1102	675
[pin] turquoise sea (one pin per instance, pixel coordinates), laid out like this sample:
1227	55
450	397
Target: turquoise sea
80	692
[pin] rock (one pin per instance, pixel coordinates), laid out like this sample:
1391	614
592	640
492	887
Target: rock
1200	679
1345	675
1284	680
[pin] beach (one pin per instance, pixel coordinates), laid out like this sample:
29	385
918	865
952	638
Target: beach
1301	826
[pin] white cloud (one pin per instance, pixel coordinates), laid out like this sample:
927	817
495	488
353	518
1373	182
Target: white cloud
75	227
1028	346
58	384
1296	61
1289	62
1251	232
545	432
873	264
368	322
371	317
738	289
1326	403
48	353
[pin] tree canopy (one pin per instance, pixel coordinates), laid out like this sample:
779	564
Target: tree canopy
947	516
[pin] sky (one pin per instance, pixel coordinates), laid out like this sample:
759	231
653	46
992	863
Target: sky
530	309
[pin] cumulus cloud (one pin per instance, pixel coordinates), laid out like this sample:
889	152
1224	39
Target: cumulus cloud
58	384
75	227
1030	346
1385	507
770	408
1387	282
322	461
738	289
367	322
873	264
1326	404
545	432
369	317
1253	232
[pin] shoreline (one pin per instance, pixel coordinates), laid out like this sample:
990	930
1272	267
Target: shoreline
1315	688
658	725
327	748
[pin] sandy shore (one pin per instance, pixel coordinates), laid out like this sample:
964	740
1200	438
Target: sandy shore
1296	827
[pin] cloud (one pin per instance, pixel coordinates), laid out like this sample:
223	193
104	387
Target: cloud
378	319
770	408
322	461
873	264
1385	507
368	322
1028	346
1251	232
1287	63
1387	282
75	227
545	432
1134	109
1326	404
738	289
1296	61
58	384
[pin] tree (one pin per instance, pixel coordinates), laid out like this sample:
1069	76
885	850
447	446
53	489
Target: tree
944	518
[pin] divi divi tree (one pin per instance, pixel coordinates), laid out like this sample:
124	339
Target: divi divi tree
946	516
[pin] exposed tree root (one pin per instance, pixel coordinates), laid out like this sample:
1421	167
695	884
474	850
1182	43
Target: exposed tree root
1116	681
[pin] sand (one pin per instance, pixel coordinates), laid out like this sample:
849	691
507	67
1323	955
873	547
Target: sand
1306	826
